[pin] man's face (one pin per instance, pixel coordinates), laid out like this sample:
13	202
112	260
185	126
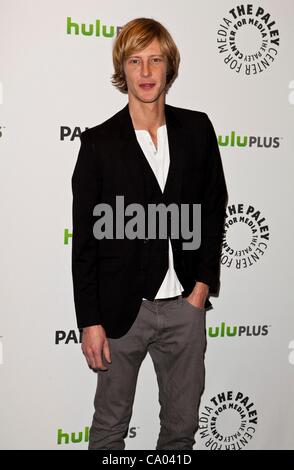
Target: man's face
145	72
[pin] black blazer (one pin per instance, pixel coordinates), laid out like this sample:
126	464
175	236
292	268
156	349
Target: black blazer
111	276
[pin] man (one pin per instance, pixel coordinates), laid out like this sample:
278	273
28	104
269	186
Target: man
138	295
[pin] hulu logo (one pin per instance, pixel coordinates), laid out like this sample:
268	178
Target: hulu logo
92	29
222	331
83	436
67	235
232	141
73	437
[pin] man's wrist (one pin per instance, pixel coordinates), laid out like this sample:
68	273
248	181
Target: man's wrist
91	327
201	289
199	293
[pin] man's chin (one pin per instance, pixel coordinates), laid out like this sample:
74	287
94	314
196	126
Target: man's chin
149	99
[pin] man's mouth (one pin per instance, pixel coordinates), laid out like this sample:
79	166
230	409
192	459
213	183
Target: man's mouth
147	86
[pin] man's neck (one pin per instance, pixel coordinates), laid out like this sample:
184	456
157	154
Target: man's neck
149	116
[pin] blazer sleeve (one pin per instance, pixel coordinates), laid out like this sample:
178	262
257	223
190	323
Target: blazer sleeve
85	191
213	210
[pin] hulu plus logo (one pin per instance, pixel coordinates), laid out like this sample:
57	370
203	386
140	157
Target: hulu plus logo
97	29
231	331
235	140
83	436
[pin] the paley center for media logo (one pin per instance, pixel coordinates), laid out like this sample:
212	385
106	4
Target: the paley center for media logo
248	39
228	421
246	236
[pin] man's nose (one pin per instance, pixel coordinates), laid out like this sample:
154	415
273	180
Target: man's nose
145	69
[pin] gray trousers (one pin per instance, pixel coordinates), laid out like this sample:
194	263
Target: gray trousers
173	331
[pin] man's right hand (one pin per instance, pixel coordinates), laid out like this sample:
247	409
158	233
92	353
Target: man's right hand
94	342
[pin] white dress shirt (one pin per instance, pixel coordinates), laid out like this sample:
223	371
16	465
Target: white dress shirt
159	160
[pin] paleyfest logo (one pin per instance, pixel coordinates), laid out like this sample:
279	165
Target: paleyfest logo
228	421
246	236
248	39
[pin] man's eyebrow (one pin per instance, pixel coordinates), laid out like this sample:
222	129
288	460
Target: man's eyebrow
152	55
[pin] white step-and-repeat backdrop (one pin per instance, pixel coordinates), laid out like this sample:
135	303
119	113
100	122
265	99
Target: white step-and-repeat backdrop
237	65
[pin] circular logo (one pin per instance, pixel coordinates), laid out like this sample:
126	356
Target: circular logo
248	39
228	422
246	236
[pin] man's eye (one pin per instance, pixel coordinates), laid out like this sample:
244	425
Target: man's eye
134	61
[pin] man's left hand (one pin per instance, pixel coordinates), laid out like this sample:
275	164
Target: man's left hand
198	295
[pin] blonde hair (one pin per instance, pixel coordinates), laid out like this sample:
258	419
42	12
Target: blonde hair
136	35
